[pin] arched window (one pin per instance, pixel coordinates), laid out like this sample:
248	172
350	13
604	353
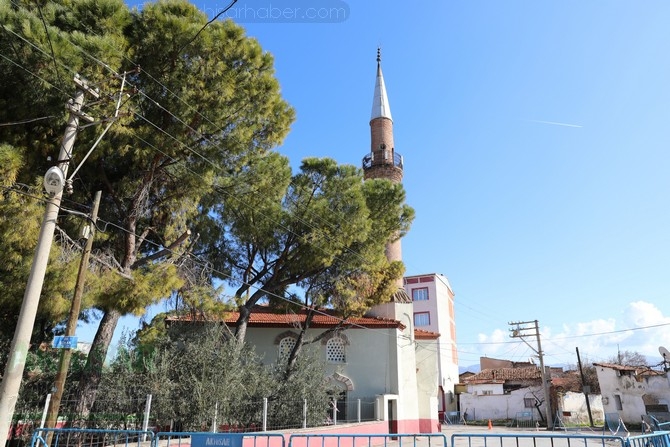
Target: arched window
335	350
286	345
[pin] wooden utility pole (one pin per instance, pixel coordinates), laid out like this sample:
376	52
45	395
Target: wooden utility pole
586	389
73	318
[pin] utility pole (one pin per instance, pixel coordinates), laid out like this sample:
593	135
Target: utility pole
73	318
585	388
54	183
524	329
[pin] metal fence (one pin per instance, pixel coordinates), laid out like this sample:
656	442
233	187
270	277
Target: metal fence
657	439
205	439
75	437
524	419
381	439
135	438
453	418
151	414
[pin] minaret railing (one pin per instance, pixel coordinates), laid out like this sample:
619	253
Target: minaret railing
369	161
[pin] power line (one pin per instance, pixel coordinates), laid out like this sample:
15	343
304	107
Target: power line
180	120
186	146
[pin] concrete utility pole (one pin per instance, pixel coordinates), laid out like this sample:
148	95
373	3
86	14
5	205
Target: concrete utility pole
522	329
54	183
73	318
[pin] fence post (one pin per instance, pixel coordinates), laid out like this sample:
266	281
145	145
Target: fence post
304	413
145	422
46	408
359	411
334	402
265	414
216	413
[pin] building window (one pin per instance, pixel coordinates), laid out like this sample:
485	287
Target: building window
422	319
285	347
487	393
335	350
420	294
528	402
617	401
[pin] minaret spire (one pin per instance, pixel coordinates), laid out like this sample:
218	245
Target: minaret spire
380	102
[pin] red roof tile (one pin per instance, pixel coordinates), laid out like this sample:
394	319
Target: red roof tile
264	317
420	334
497	375
639	370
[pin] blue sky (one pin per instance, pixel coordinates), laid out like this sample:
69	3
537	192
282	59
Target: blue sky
535	136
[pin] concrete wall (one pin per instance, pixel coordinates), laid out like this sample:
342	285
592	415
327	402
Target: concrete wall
575	412
633	391
368	353
440	305
370	369
427	377
497	406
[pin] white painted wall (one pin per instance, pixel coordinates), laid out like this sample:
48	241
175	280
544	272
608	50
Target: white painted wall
575	405
480	407
440	305
427	377
367	357
634	392
379	362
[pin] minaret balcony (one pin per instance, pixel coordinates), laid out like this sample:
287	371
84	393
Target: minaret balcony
379	159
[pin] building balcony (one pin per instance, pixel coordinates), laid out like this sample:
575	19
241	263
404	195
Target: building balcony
381	159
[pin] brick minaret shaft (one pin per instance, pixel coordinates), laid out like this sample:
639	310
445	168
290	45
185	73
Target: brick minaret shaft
383	161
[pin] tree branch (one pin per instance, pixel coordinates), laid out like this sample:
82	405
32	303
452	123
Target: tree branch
164	252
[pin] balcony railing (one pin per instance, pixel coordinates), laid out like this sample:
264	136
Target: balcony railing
369	160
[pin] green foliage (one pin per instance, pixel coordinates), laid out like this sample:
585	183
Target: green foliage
148	284
19	231
193	369
40	373
322	229
305	383
201	110
10	164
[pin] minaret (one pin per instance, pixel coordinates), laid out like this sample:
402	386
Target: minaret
383	161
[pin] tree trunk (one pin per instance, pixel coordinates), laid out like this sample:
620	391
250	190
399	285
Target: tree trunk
90	380
242	322
245	313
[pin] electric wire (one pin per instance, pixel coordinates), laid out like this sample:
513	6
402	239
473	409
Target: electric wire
223	275
515	344
206	159
106	66
202	262
51	47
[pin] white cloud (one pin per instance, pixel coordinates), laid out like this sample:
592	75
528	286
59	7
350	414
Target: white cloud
640	327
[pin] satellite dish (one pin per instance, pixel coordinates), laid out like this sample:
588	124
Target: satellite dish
664	353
